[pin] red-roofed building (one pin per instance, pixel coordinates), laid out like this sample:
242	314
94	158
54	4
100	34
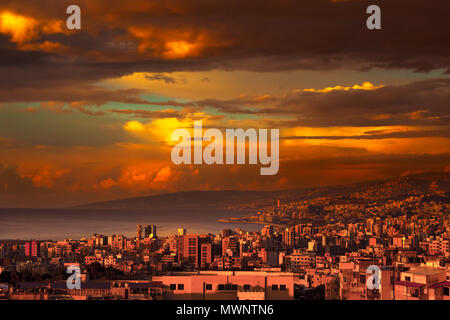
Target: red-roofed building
415	284
440	291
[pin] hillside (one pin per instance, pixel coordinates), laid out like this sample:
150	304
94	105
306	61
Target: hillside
436	184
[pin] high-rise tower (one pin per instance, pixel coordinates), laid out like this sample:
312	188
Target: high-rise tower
139	232
150	231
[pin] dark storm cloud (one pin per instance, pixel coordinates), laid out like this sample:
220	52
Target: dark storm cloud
11	181
230	35
390	135
92	95
161	77
419	103
149	113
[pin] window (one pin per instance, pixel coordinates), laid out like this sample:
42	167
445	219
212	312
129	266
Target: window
173	286
246	287
362	278
228	287
408	279
274	287
446	291
208	286
180	286
282	287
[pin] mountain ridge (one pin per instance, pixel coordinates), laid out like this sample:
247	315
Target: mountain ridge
429	182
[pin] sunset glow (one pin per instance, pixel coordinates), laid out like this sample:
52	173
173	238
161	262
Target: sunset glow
88	115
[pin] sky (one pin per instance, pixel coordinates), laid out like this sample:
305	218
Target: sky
87	115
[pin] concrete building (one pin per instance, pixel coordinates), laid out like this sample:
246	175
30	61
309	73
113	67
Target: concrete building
229	285
32	249
415	283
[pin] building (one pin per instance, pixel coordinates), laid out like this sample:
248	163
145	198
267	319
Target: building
32	249
289	237
230	246
229	285
299	260
91	290
139	232
150	231
267	231
188	249
439	291
206	255
415	283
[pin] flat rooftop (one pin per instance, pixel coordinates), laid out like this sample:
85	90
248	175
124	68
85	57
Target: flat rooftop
425	271
235	273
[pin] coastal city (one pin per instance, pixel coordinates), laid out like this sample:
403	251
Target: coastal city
305	250
223	159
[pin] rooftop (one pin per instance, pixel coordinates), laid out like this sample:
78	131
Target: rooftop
233	273
441	284
425	271
410	284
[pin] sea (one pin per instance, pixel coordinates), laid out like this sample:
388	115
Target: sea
60	224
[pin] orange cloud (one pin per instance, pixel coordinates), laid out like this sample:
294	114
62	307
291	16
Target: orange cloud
20	28
24	29
108	183
134	126
365	86
174	43
178	49
46	46
45	178
163	175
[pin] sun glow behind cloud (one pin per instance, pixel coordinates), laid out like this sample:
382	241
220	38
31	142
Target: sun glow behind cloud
26	32
20	28
157	130
178	49
365	86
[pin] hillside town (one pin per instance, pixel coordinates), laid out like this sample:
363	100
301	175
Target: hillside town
304	251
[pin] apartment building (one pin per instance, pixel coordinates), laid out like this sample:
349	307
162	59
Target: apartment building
415	284
229	285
